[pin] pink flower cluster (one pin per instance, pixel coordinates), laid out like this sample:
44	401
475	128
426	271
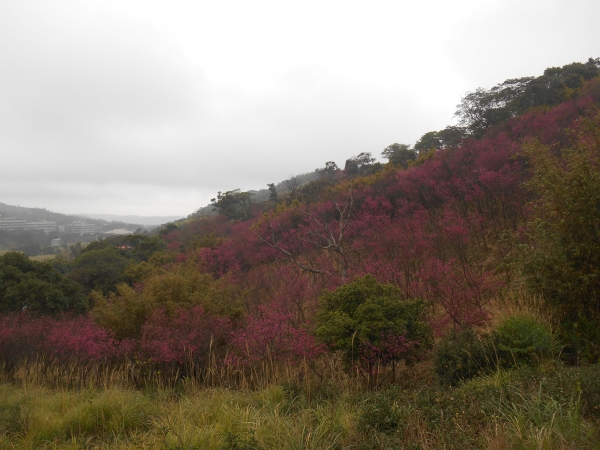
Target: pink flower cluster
184	336
270	334
65	339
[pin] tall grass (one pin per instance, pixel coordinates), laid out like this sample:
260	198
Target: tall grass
217	418
291	406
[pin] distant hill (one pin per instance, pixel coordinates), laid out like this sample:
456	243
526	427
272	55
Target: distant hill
143	220
263	194
37	214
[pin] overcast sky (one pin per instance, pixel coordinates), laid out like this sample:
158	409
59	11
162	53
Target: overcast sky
152	106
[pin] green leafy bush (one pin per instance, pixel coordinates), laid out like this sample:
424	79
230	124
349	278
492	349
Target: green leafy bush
462	356
125	311
589	385
373	324
582	341
36	287
560	250
522	339
380	412
518	339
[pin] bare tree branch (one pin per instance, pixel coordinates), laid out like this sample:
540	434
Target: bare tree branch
321	234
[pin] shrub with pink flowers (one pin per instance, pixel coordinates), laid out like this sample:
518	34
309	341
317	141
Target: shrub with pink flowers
189	335
26	337
271	334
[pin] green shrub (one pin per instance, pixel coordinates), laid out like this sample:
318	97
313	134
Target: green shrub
522	339
37	286
462	356
239	441
560	256
582	341
373	324
380	412
589	383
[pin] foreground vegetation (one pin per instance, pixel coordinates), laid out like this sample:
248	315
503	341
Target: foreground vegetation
551	407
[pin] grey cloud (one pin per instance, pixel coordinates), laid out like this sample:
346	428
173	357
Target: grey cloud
516	38
105	110
68	70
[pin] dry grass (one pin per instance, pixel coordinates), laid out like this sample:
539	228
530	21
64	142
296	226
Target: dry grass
518	301
42	258
48	406
39	258
186	418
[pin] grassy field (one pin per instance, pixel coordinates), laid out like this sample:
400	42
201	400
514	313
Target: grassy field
40	258
551	407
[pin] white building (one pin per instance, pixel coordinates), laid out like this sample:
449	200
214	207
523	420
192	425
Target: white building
84	228
81	228
12	223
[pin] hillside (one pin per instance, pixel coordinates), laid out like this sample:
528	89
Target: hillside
449	298
39	214
37	242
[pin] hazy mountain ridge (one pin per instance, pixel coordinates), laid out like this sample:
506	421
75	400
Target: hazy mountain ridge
40	214
262	195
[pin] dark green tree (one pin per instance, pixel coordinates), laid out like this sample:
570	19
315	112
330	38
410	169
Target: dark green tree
143	246
100	268
37	287
363	319
272	192
561	255
362	164
329	171
399	154
428	141
556	85
482	108
235	205
167	229
450	136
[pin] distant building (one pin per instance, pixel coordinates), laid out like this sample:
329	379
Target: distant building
84	228
80	228
12	223
56	242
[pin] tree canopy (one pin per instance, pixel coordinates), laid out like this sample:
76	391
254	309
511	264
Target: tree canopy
364	318
233	204
561	256
35	286
399	154
483	108
362	164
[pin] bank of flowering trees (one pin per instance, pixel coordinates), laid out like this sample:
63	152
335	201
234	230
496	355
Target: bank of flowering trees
241	292
432	230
